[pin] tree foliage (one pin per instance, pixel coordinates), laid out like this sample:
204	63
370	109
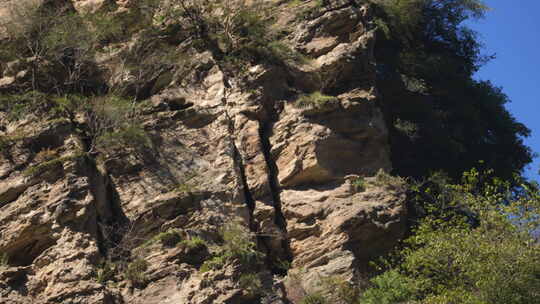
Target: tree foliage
235	32
56	44
451	260
440	117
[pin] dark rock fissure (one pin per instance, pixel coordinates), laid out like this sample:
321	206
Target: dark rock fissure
272	171
241	171
109	213
237	158
272	180
115	228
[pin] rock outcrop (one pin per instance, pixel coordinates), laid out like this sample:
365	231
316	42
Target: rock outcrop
219	154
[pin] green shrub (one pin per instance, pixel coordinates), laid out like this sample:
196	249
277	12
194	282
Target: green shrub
17	106
359	184
112	109
69	104
389	288
316	100
283	265
281	52
51	164
339	289
385	180
62	59
251	284
238	247
476	243
403	15
105	27
184	188
315	298
407	128
113	122
134	271
238	244
236	33
194	243
169	238
4	260
128	135
214	263
106	272
195	252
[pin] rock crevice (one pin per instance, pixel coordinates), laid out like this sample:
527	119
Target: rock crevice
279	219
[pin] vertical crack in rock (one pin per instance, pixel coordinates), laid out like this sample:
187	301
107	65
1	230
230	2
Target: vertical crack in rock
271	169
242	175
264	129
109	214
237	158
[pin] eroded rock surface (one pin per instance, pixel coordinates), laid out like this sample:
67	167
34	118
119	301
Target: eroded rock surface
219	153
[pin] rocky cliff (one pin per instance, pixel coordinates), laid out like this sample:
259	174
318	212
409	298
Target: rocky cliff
243	194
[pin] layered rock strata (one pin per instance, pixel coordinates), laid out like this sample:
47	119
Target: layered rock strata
220	153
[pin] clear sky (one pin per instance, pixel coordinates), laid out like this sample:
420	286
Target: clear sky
511	31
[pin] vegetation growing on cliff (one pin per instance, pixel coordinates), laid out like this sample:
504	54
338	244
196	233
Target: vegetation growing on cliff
59	59
238	247
440	119
426	59
475	243
4	260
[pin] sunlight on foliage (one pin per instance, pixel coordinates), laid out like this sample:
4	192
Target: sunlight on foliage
475	244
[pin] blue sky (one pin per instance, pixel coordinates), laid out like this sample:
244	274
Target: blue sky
511	31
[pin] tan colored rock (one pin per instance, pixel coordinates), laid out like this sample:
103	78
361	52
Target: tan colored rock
6	81
88	6
49	226
226	147
327	147
335	231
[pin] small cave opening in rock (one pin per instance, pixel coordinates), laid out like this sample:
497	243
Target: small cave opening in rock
46	141
25	254
179	104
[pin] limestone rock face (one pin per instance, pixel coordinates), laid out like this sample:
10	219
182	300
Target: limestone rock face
84	6
335	230
222	149
49	218
92	6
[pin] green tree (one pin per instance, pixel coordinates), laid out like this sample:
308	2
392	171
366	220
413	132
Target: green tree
448	259
55	44
440	117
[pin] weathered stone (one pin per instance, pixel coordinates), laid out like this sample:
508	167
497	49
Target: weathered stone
335	231
225	148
